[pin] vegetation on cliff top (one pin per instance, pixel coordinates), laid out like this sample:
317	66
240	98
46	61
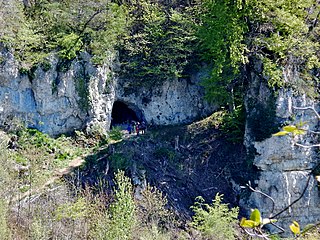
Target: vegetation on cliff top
159	40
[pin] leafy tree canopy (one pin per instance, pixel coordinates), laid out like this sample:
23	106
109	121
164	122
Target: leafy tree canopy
281	34
67	27
161	41
158	40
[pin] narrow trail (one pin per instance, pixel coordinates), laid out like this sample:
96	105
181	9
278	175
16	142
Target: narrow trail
77	162
60	173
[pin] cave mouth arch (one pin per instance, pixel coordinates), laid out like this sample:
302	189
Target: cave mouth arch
123	113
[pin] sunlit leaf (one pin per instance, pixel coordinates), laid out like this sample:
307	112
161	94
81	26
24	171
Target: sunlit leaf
295	228
290	128
281	133
246	223
256	217
299	132
301	124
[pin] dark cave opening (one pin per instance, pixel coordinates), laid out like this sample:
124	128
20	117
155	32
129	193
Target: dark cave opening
122	114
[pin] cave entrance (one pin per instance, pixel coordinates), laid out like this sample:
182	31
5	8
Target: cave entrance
123	113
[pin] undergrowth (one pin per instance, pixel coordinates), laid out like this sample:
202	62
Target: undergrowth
32	208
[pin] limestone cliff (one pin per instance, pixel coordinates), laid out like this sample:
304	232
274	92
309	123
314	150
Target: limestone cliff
284	168
64	96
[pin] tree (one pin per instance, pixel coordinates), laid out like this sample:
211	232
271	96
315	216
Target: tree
66	27
281	34
216	220
221	32
161	41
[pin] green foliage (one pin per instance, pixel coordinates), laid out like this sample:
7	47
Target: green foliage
256	222
164	153
152	208
294	130
17	33
161	42
122	220
83	93
216	220
116	134
279	33
119	161
42	155
43	27
233	124
72	211
45	65
286	34
70	45
221	34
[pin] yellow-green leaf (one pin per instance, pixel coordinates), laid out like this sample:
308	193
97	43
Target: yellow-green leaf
256	217
247	223
290	128
281	133
295	228
299	132
300	124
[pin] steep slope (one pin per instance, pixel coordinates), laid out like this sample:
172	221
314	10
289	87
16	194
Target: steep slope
182	161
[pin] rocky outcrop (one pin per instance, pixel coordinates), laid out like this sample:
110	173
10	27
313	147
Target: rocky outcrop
48	100
173	102
64	96
284	168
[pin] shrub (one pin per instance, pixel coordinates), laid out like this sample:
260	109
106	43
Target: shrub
116	134
119	161
152	208
119	220
164	153
216	220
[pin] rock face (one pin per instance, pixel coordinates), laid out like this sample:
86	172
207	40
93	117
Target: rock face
64	96
46	101
284	167
173	102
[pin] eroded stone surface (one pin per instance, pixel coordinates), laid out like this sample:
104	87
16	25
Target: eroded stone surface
285	167
80	95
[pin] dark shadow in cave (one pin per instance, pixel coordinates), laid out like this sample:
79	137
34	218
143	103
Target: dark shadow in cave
123	113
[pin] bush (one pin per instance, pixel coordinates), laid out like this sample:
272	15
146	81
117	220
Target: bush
216	220
164	153
119	220
119	161
116	134
152	209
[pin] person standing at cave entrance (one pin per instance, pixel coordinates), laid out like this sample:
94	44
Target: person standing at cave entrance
129	128
138	128
143	127
134	127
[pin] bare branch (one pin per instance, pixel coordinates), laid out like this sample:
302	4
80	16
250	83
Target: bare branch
262	193
309	108
301	195
313	132
256	234
307	146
